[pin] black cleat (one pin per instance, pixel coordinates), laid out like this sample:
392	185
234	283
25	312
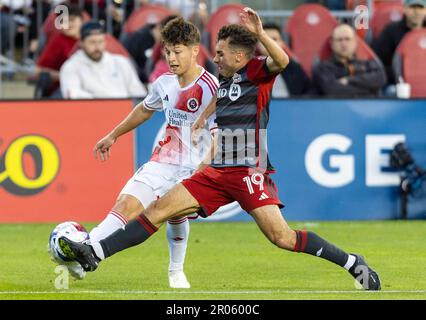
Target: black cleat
82	253
366	277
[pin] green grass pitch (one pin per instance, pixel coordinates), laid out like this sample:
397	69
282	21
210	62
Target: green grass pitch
225	261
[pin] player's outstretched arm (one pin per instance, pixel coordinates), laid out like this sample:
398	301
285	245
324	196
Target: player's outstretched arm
135	118
278	59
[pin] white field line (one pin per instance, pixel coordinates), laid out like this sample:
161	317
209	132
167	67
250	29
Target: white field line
131	292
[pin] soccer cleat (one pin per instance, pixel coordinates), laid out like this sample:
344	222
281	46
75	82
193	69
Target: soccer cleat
366	277
177	280
82	253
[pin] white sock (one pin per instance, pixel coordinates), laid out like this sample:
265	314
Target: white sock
177	235
113	221
350	262
98	250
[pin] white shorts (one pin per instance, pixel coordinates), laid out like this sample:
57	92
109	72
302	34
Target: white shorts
153	180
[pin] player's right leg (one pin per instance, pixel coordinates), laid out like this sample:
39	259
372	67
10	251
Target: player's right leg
177	202
276	229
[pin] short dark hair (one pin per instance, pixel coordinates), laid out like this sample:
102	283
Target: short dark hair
239	36
180	31
166	20
271	25
73	10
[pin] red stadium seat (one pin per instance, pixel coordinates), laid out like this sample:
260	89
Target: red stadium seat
351	4
146	14
410	61
384	14
363	51
308	28
226	14
112	46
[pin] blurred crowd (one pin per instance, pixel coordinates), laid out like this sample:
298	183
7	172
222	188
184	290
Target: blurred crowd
83	60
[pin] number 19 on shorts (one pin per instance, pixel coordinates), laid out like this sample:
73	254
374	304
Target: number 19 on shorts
255	179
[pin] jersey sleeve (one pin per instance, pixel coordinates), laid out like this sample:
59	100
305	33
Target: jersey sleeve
257	70
153	100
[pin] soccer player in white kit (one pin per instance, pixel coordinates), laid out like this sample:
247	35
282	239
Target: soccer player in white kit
182	94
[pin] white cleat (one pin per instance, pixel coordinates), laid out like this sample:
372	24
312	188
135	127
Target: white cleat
76	270
177	280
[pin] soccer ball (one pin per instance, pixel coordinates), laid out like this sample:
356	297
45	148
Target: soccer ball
75	232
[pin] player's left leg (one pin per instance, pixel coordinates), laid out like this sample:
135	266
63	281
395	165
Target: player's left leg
276	229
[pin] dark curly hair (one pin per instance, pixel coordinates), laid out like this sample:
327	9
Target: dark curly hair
180	31
239	37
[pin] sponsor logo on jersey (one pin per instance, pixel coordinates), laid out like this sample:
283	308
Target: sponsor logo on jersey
179	118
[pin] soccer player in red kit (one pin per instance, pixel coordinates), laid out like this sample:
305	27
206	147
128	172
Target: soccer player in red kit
240	168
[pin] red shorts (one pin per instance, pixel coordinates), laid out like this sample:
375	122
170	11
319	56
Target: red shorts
216	187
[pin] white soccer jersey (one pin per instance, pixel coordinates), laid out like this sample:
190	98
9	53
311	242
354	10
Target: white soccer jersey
181	106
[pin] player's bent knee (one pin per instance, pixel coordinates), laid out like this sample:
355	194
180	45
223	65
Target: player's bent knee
284	240
128	206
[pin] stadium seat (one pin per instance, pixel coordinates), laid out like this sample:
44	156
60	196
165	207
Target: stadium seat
148	13
112	46
384	14
226	14
351	4
410	61
307	29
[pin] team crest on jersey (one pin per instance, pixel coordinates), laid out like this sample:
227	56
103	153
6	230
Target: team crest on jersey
234	92
193	104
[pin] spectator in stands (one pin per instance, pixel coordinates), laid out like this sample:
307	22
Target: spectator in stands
386	44
92	72
343	75
186	8
140	44
59	47
8	14
293	81
39	13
